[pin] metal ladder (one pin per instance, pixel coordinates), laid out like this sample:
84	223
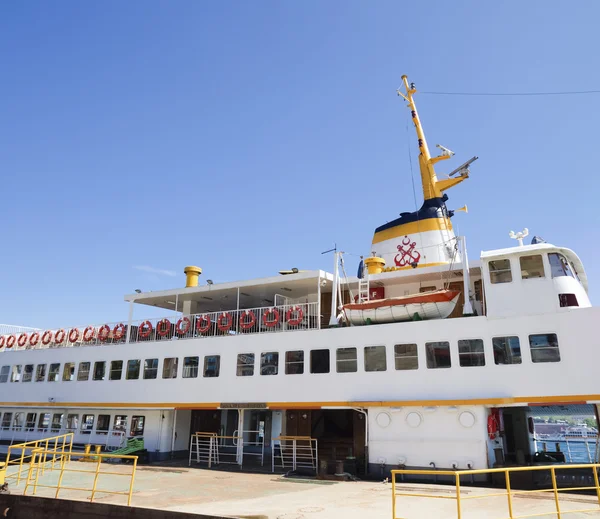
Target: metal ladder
363	287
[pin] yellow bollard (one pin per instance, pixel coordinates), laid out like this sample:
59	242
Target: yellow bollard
2	472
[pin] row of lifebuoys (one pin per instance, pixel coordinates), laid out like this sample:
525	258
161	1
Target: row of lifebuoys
271	318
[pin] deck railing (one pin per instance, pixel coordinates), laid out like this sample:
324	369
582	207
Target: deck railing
281	318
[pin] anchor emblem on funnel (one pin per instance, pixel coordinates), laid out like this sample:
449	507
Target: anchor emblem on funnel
407	255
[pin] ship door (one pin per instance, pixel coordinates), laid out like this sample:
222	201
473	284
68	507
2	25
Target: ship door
205	421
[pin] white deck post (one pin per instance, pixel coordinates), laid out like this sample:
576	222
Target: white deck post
129	321
333	319
467	307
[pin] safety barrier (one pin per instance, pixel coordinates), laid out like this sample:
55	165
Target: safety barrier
211	449
294	452
508	493
250	446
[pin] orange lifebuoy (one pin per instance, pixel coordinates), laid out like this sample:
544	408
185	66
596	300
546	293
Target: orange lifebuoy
74	335
62	335
34	339
492	426
10	342
224	327
203	328
47	338
163	327
186	328
88	333
244	324
2	341
296	320
22	340
118	332
103	333
145	329
270	323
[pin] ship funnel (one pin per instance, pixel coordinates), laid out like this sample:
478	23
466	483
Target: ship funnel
191	276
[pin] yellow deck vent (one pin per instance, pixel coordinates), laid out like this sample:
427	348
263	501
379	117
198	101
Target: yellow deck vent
191	275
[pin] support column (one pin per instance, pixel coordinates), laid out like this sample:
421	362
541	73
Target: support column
240	433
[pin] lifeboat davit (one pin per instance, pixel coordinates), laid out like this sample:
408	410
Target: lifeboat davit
415	307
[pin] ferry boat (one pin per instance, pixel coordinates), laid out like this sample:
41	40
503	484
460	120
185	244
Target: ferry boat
423	359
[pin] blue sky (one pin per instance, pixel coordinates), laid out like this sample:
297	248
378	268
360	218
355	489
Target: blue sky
247	137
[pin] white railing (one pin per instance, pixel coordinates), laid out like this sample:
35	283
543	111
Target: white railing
294	452
292	317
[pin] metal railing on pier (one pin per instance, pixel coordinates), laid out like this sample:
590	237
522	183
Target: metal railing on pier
294	452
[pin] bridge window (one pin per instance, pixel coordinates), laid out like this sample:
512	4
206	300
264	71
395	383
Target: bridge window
245	365
137	425
72	422
346	360
6	419
150	369
190	367
57	421
294	362
83	373
4	372
170	367
500	271
40	373
53	372
68	371
87	423
212	365
438	354
405	356
544	348
375	358
319	361
116	368
103	424
133	369
44	422
99	370
15	375
269	363
121	423
19	421
470	352
566	300
30	422
532	266
28	373
507	350
559	265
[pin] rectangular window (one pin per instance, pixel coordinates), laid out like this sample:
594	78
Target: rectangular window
28	373
438	354
245	365
103	424
405	356
294	362
319	361
72	422
87	423
544	348
559	265
507	350
6	419
4	373
40	373
565	300
116	368
19	421
269	363
15	374
68	371
170	367
212	365
44	422
53	372
500	271
133	369
121	423
532	266
137	425
150	369
375	358
100	370
30	422
345	360
190	367
57	422
470	352
83	373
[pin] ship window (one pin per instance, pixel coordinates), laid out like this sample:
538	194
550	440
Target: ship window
559	265
294	362
18	422
438	354
103	424
190	367
137	425
72	421
44	422
532	267
83	373
405	356
245	365
470	352
269	363
170	367
6	419
99	370
4	372
116	367
346	360
15	374
40	373
133	369
150	369
319	361
53	372
30	421
544	348
120	423
28	373
500	271
375	358
507	350
68	371
57	421
212	365
87	423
